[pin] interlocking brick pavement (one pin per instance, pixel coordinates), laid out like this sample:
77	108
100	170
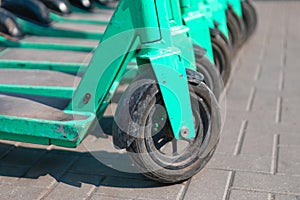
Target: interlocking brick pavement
258	155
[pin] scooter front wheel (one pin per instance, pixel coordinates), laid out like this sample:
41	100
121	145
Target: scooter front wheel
249	17
155	151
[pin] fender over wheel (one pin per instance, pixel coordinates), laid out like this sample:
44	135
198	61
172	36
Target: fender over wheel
222	57
249	17
211	75
31	10
233	32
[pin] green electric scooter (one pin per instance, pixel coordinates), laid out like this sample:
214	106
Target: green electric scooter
203	65
192	114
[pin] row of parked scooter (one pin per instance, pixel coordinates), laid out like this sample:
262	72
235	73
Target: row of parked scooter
168	119
223	27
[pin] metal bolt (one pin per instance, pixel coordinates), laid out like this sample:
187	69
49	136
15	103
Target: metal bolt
184	132
87	98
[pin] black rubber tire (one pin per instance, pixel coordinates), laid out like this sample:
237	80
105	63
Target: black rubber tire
233	32
176	168
211	75
242	27
249	17
222	57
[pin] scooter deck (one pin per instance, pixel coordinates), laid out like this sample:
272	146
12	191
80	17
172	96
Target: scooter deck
81	27
45	55
103	15
39	117
54	40
26	108
25	114
38	78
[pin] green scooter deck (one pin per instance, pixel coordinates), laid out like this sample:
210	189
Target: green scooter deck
21	108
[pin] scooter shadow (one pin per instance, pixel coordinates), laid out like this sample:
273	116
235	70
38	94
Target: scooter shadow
34	165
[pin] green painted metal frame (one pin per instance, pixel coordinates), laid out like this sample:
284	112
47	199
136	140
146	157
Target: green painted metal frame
4	42
34	29
180	37
61	19
149	31
216	12
236	6
198	25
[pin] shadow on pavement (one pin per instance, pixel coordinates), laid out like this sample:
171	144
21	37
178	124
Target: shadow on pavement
35	164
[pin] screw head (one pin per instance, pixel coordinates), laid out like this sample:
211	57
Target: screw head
87	98
184	132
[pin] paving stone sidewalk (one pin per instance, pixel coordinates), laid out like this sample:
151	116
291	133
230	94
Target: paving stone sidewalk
258	156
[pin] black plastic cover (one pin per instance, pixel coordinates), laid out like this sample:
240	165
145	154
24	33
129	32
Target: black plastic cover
9	25
83	4
62	7
31	10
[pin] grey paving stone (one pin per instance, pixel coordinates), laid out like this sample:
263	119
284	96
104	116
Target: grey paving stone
247	195
291	76
208	184
287	197
101	197
22	156
243	162
269	79
261	126
16	192
237	96
138	189
273	57
90	165
289	160
290	110
289	139
292	59
292	127
257	142
4	148
10	173
265	101
267	183
47	171
246	70
75	186
229	135
251	58
32	146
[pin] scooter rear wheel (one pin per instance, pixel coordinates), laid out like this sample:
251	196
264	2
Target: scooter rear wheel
211	75
222	57
155	152
249	17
